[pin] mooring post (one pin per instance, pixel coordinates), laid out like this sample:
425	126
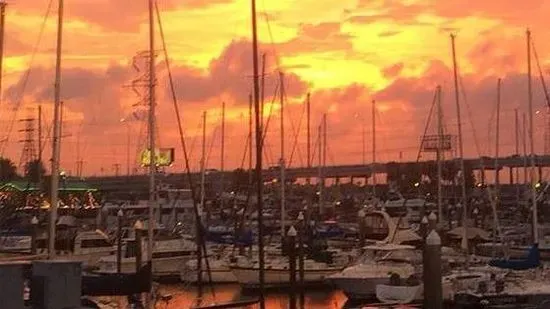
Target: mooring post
119	215
433	291
12	285
56	284
362	227
34	235
138	231
301	228
291	240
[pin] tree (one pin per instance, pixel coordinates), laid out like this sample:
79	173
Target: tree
34	170
8	170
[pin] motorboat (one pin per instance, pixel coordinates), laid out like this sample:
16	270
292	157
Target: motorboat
377	264
170	253
220	270
277	272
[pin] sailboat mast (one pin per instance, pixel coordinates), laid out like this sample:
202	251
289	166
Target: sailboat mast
282	161
203	160
222	167
250	142
56	145
439	156
308	108
516	126
531	140
152	131
2	31
321	177
40	135
497	142
373	148
524	142
259	146
461	154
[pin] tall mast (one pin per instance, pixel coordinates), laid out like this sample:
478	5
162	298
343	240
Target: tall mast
56	145
439	155
374	148
461	154
516	126
203	160
2	31
531	140
282	160
524	142
152	132
262	91
250	142
222	154
308	108
321	177
259	146
497	142
39	133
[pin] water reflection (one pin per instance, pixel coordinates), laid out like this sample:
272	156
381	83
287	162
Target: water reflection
179	296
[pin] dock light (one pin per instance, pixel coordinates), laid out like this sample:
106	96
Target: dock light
479	185
537	185
416	184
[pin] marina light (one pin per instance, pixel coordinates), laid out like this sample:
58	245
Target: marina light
416	184
537	185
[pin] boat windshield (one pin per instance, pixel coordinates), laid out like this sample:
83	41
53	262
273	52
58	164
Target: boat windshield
398	256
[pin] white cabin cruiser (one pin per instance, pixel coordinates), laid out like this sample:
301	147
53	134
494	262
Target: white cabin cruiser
169	256
380	261
277	272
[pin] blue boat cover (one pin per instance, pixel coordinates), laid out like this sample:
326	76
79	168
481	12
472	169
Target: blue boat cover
532	261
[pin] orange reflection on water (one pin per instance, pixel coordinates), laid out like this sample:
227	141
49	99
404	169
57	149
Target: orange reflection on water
179	296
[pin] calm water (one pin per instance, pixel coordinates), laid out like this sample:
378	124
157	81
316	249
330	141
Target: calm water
184	297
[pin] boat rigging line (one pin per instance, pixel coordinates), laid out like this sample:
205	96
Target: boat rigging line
201	245
26	76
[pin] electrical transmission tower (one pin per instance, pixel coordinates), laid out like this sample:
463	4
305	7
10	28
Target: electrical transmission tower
140	87
28	153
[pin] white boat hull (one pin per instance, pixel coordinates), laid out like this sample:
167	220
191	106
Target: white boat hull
162	267
219	275
248	276
359	288
390	294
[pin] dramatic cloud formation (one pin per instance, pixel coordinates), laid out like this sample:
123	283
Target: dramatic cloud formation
344	53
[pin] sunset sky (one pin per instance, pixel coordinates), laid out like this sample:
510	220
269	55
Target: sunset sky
346	53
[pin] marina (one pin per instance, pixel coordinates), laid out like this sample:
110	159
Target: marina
447	230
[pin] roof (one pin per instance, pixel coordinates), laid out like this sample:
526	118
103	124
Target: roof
18	185
22	185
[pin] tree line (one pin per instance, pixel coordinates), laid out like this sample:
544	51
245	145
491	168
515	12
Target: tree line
33	171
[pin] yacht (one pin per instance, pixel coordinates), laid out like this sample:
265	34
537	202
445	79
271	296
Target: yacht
379	261
277	272
170	253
